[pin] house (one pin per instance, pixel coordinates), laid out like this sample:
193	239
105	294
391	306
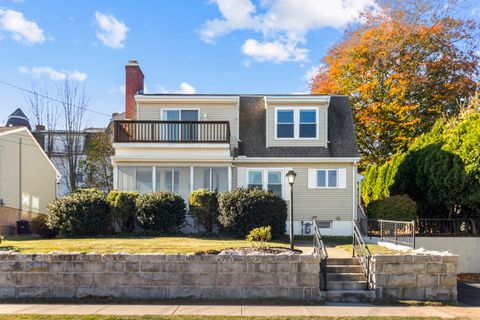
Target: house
182	142
66	149
28	179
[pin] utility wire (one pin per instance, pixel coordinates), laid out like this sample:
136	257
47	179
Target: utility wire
50	98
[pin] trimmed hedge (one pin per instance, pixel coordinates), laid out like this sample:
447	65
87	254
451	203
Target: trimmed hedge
203	205
83	212
242	210
38	225
123	209
399	207
160	211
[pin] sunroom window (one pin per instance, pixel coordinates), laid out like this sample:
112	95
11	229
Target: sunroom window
215	179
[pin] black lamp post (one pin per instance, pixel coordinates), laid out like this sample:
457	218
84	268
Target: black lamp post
291	179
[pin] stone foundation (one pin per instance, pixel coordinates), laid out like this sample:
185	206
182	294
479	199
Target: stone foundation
415	277
158	276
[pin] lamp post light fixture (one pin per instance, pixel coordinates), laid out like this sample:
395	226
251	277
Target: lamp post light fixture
291	180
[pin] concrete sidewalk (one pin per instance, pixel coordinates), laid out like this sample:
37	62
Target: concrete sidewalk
332	310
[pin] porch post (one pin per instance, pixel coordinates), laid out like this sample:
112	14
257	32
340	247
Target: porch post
191	179
229	178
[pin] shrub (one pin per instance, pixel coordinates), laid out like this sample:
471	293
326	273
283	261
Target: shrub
160	211
83	212
399	207
122	206
203	205
258	237
39	226
242	210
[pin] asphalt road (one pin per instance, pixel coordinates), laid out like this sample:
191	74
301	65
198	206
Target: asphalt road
469	292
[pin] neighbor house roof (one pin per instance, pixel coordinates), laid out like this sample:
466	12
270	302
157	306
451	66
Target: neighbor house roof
18	119
341	134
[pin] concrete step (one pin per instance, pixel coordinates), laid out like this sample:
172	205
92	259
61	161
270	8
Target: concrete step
345	277
342	261
344	268
345	285
348	295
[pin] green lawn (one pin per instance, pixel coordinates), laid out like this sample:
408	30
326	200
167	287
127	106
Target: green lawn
102	317
173	244
345	243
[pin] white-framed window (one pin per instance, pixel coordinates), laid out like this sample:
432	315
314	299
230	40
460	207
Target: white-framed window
266	179
321	178
296	123
327	178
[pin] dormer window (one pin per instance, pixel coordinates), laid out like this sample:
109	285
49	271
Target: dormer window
296	123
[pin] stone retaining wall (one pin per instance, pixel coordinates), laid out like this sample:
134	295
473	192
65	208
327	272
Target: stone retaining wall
158	276
415	277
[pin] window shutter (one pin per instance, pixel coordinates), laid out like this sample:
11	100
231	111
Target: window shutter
286	186
342	178
312	178
241	176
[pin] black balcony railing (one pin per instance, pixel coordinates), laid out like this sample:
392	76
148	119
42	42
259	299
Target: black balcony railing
172	131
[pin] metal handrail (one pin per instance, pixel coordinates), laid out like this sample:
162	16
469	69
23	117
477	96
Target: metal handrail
397	232
171	131
363	254
319	248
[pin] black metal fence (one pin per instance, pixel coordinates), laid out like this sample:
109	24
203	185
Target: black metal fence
396	232
448	227
402	232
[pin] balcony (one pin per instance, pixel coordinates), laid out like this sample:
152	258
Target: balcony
171	131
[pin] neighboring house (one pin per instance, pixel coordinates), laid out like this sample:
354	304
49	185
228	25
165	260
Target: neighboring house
180	143
28	179
55	143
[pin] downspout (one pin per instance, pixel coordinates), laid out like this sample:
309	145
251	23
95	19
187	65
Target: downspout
20	179
354	188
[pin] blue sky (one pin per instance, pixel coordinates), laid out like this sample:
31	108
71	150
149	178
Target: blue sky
217	46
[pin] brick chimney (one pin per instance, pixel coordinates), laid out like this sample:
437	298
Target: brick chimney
133	84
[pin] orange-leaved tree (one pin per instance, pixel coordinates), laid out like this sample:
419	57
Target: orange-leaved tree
403	67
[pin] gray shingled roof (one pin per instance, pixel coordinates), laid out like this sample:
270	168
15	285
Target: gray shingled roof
341	134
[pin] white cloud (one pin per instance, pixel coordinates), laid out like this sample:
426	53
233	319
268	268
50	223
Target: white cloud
112	32
284	24
52	73
21	29
275	51
236	15
185	88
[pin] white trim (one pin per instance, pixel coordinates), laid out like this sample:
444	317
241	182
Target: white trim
266	122
115	177
326	127
242	159
229	173
354	188
171	145
186	98
36	143
298	99
154	178
296	122
191	178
